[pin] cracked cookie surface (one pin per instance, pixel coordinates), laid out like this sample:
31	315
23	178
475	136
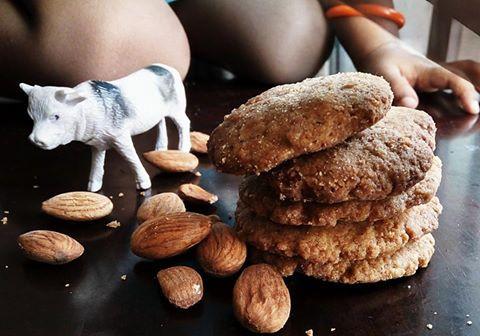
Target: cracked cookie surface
352	241
383	160
293	119
401	263
258	196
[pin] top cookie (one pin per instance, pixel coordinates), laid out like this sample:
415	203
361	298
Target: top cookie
290	120
381	161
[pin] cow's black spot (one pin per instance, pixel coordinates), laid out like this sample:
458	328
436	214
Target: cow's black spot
112	100
168	89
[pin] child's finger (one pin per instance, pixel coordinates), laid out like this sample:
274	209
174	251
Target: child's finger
403	92
466	92
439	78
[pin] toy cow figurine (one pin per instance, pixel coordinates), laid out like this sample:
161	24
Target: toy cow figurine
107	114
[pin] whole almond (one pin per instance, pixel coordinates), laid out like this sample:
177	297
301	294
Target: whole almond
169	235
172	161
181	285
199	142
261	301
78	206
195	194
49	247
222	253
160	204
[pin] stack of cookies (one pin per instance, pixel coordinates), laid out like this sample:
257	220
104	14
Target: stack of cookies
340	185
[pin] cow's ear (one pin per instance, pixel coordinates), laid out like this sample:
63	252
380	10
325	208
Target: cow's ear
26	88
69	96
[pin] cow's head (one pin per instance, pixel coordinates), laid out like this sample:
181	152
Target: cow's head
55	114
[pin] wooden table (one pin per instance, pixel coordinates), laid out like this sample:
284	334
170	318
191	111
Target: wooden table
34	299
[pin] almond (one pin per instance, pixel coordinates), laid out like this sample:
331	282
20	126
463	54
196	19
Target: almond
181	285
49	247
172	161
195	194
222	253
160	204
78	206
261	301
169	235
199	142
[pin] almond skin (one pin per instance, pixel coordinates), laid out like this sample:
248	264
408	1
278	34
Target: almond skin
172	161
181	285
169	235
199	142
49	247
195	194
261	301
158	205
78	206
222	253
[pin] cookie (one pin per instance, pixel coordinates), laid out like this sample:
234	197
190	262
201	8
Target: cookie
258	196
384	160
290	120
353	241
404	262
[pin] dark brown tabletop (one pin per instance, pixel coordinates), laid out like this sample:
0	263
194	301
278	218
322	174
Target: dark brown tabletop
34	299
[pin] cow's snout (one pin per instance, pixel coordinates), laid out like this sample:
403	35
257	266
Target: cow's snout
36	141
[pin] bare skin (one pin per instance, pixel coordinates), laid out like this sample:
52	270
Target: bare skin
66	42
273	41
376	51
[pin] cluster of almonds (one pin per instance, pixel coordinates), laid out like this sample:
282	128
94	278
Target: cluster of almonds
261	300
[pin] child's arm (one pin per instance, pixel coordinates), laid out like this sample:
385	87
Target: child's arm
374	50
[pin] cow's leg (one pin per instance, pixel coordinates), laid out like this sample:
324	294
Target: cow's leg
182	123
96	171
162	138
124	146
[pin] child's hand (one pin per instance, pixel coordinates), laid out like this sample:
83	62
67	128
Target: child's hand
407	70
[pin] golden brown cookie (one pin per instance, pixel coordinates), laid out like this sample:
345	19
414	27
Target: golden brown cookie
384	160
290	120
401	263
258	196
353	241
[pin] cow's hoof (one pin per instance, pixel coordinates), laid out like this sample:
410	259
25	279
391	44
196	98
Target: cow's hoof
94	186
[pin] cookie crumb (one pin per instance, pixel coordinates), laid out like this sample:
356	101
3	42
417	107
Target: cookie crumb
113	224
434	313
35	186
4	220
409	286
6	212
333	329
123	277
111	197
468	315
197	173
309	332
469	322
121	194
6	266
429	326
67	285
142	193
